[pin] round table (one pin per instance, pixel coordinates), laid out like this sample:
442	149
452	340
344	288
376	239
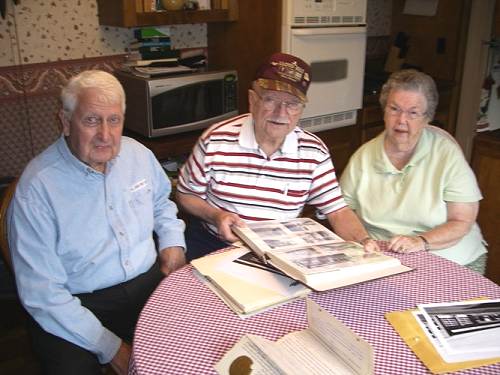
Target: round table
185	328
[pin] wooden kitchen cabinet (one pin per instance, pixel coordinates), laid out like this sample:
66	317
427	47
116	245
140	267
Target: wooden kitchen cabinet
245	44
486	165
123	13
436	46
169	146
496	26
341	142
370	118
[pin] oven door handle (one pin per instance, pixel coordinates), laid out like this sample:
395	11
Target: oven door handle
328	31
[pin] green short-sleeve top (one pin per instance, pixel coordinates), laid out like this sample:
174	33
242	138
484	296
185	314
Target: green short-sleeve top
413	200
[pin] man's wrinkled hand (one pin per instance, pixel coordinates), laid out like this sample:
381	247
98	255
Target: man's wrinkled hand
120	361
224	221
171	259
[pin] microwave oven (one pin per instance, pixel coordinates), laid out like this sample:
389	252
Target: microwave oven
164	105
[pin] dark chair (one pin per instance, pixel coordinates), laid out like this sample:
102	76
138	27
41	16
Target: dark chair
5	202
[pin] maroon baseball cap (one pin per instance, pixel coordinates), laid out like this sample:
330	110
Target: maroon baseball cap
284	72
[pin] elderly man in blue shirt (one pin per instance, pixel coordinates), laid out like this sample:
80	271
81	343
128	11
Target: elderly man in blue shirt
81	233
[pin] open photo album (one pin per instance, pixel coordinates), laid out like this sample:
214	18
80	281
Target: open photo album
312	254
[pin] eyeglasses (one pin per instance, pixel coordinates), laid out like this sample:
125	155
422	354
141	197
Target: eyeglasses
396	111
270	104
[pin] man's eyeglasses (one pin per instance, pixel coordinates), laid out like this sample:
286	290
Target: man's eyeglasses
396	111
270	104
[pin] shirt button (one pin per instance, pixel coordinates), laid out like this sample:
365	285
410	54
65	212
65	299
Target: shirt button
110	207
121	233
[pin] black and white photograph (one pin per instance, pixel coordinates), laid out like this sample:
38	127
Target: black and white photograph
284	242
319	236
300	225
322	261
468	328
457	319
302	252
269	231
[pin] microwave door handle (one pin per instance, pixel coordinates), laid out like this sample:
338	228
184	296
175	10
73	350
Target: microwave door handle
328	31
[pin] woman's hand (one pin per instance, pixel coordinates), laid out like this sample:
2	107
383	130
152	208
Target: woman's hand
406	244
370	244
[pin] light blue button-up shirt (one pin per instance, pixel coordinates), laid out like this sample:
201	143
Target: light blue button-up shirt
75	230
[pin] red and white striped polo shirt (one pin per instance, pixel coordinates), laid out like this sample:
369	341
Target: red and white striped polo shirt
229	170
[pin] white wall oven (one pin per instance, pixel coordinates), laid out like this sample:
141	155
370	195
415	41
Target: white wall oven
330	35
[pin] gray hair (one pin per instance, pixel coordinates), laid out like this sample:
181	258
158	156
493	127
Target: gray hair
111	90
412	80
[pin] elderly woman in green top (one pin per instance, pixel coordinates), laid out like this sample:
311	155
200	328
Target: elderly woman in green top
411	185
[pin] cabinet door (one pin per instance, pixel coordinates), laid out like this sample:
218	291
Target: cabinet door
341	142
496	29
486	164
243	45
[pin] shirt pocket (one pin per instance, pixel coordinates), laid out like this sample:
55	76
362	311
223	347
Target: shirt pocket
141	200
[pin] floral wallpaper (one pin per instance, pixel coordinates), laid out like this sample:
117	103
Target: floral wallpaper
188	36
37	31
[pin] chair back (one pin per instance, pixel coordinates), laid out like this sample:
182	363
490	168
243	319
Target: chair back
4	205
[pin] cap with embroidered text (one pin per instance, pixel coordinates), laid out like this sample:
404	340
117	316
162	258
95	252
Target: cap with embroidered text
284	72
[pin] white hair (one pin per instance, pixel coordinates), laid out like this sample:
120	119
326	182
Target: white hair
110	88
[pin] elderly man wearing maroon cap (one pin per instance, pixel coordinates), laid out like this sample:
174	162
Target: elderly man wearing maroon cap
262	166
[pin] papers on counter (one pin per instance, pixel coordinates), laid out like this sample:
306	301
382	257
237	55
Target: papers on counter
149	71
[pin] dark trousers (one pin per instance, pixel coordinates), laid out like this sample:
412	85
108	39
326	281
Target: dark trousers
117	308
199	241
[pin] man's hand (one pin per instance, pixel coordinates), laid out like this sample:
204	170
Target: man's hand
224	221
171	259
120	361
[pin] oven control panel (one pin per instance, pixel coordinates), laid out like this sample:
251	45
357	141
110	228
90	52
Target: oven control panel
324	12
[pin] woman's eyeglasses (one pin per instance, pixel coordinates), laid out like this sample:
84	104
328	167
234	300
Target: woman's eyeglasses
396	111
270	104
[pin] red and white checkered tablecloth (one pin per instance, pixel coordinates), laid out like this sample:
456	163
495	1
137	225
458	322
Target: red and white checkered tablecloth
185	329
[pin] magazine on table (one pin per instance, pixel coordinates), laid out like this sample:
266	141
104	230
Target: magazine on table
309	252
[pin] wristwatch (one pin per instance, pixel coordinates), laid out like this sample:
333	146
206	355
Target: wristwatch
427	246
